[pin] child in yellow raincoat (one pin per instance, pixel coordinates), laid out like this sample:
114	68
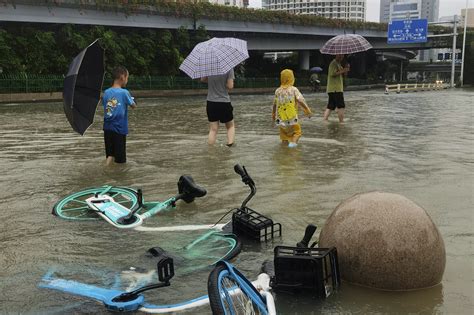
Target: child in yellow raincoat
285	109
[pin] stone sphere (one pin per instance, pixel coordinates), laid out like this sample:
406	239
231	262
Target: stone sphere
385	241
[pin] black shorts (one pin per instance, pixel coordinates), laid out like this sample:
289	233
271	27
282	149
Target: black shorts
219	111
336	99
115	146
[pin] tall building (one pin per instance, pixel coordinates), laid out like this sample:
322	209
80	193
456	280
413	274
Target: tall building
406	10
413	9
347	10
384	11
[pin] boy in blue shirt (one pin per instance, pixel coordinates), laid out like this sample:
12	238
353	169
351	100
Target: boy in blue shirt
116	101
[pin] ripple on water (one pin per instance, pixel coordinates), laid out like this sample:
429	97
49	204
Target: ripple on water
419	145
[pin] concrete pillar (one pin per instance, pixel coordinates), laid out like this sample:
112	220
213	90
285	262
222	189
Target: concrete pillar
303	59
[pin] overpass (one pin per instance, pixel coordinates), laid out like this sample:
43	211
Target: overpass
259	36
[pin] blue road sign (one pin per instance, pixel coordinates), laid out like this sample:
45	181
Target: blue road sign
407	31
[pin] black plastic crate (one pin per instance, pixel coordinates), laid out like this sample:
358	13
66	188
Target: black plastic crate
313	270
253	225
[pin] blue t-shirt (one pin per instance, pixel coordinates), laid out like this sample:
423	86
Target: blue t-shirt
116	102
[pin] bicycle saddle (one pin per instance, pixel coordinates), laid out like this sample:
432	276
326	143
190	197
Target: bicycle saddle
188	189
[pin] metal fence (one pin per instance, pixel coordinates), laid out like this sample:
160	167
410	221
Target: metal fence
23	83
178	83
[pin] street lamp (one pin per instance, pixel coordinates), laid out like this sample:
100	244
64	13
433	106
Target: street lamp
461	79
453	58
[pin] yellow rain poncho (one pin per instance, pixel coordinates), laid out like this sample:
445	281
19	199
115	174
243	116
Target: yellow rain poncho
287	78
286	97
285	108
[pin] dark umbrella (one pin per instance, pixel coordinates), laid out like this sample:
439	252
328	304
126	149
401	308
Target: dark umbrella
82	87
316	69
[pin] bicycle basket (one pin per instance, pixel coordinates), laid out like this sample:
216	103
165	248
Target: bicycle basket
315	270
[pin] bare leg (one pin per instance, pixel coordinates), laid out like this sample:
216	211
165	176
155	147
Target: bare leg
109	160
340	114
213	128
230	132
295	138
327	113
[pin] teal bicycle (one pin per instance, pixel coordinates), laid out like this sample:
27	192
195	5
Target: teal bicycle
122	207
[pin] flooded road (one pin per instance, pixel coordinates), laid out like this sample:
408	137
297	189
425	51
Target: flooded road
419	145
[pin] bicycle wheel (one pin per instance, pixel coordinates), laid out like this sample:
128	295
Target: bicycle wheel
212	247
232	294
74	206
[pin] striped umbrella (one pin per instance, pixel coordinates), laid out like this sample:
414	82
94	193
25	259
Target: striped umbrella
345	44
214	57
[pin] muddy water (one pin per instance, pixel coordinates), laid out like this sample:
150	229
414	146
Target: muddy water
419	145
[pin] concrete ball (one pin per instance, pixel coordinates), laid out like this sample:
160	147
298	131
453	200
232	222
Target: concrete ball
385	241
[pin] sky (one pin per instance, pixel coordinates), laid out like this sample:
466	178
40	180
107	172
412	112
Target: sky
446	7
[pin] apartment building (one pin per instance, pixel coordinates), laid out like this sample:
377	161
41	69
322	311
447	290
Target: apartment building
347	10
409	9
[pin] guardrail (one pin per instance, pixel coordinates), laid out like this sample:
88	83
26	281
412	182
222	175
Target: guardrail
415	87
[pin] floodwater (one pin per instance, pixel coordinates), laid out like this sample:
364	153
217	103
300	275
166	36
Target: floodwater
419	145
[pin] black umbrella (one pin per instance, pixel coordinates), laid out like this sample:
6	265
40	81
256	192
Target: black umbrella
82	87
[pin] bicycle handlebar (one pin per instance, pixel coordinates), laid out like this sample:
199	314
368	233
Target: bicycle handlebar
242	171
247	180
239	170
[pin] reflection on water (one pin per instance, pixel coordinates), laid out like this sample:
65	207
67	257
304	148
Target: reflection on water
419	145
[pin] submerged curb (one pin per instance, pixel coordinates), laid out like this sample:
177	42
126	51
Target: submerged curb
58	97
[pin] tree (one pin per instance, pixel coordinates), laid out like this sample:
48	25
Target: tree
48	48
9	61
